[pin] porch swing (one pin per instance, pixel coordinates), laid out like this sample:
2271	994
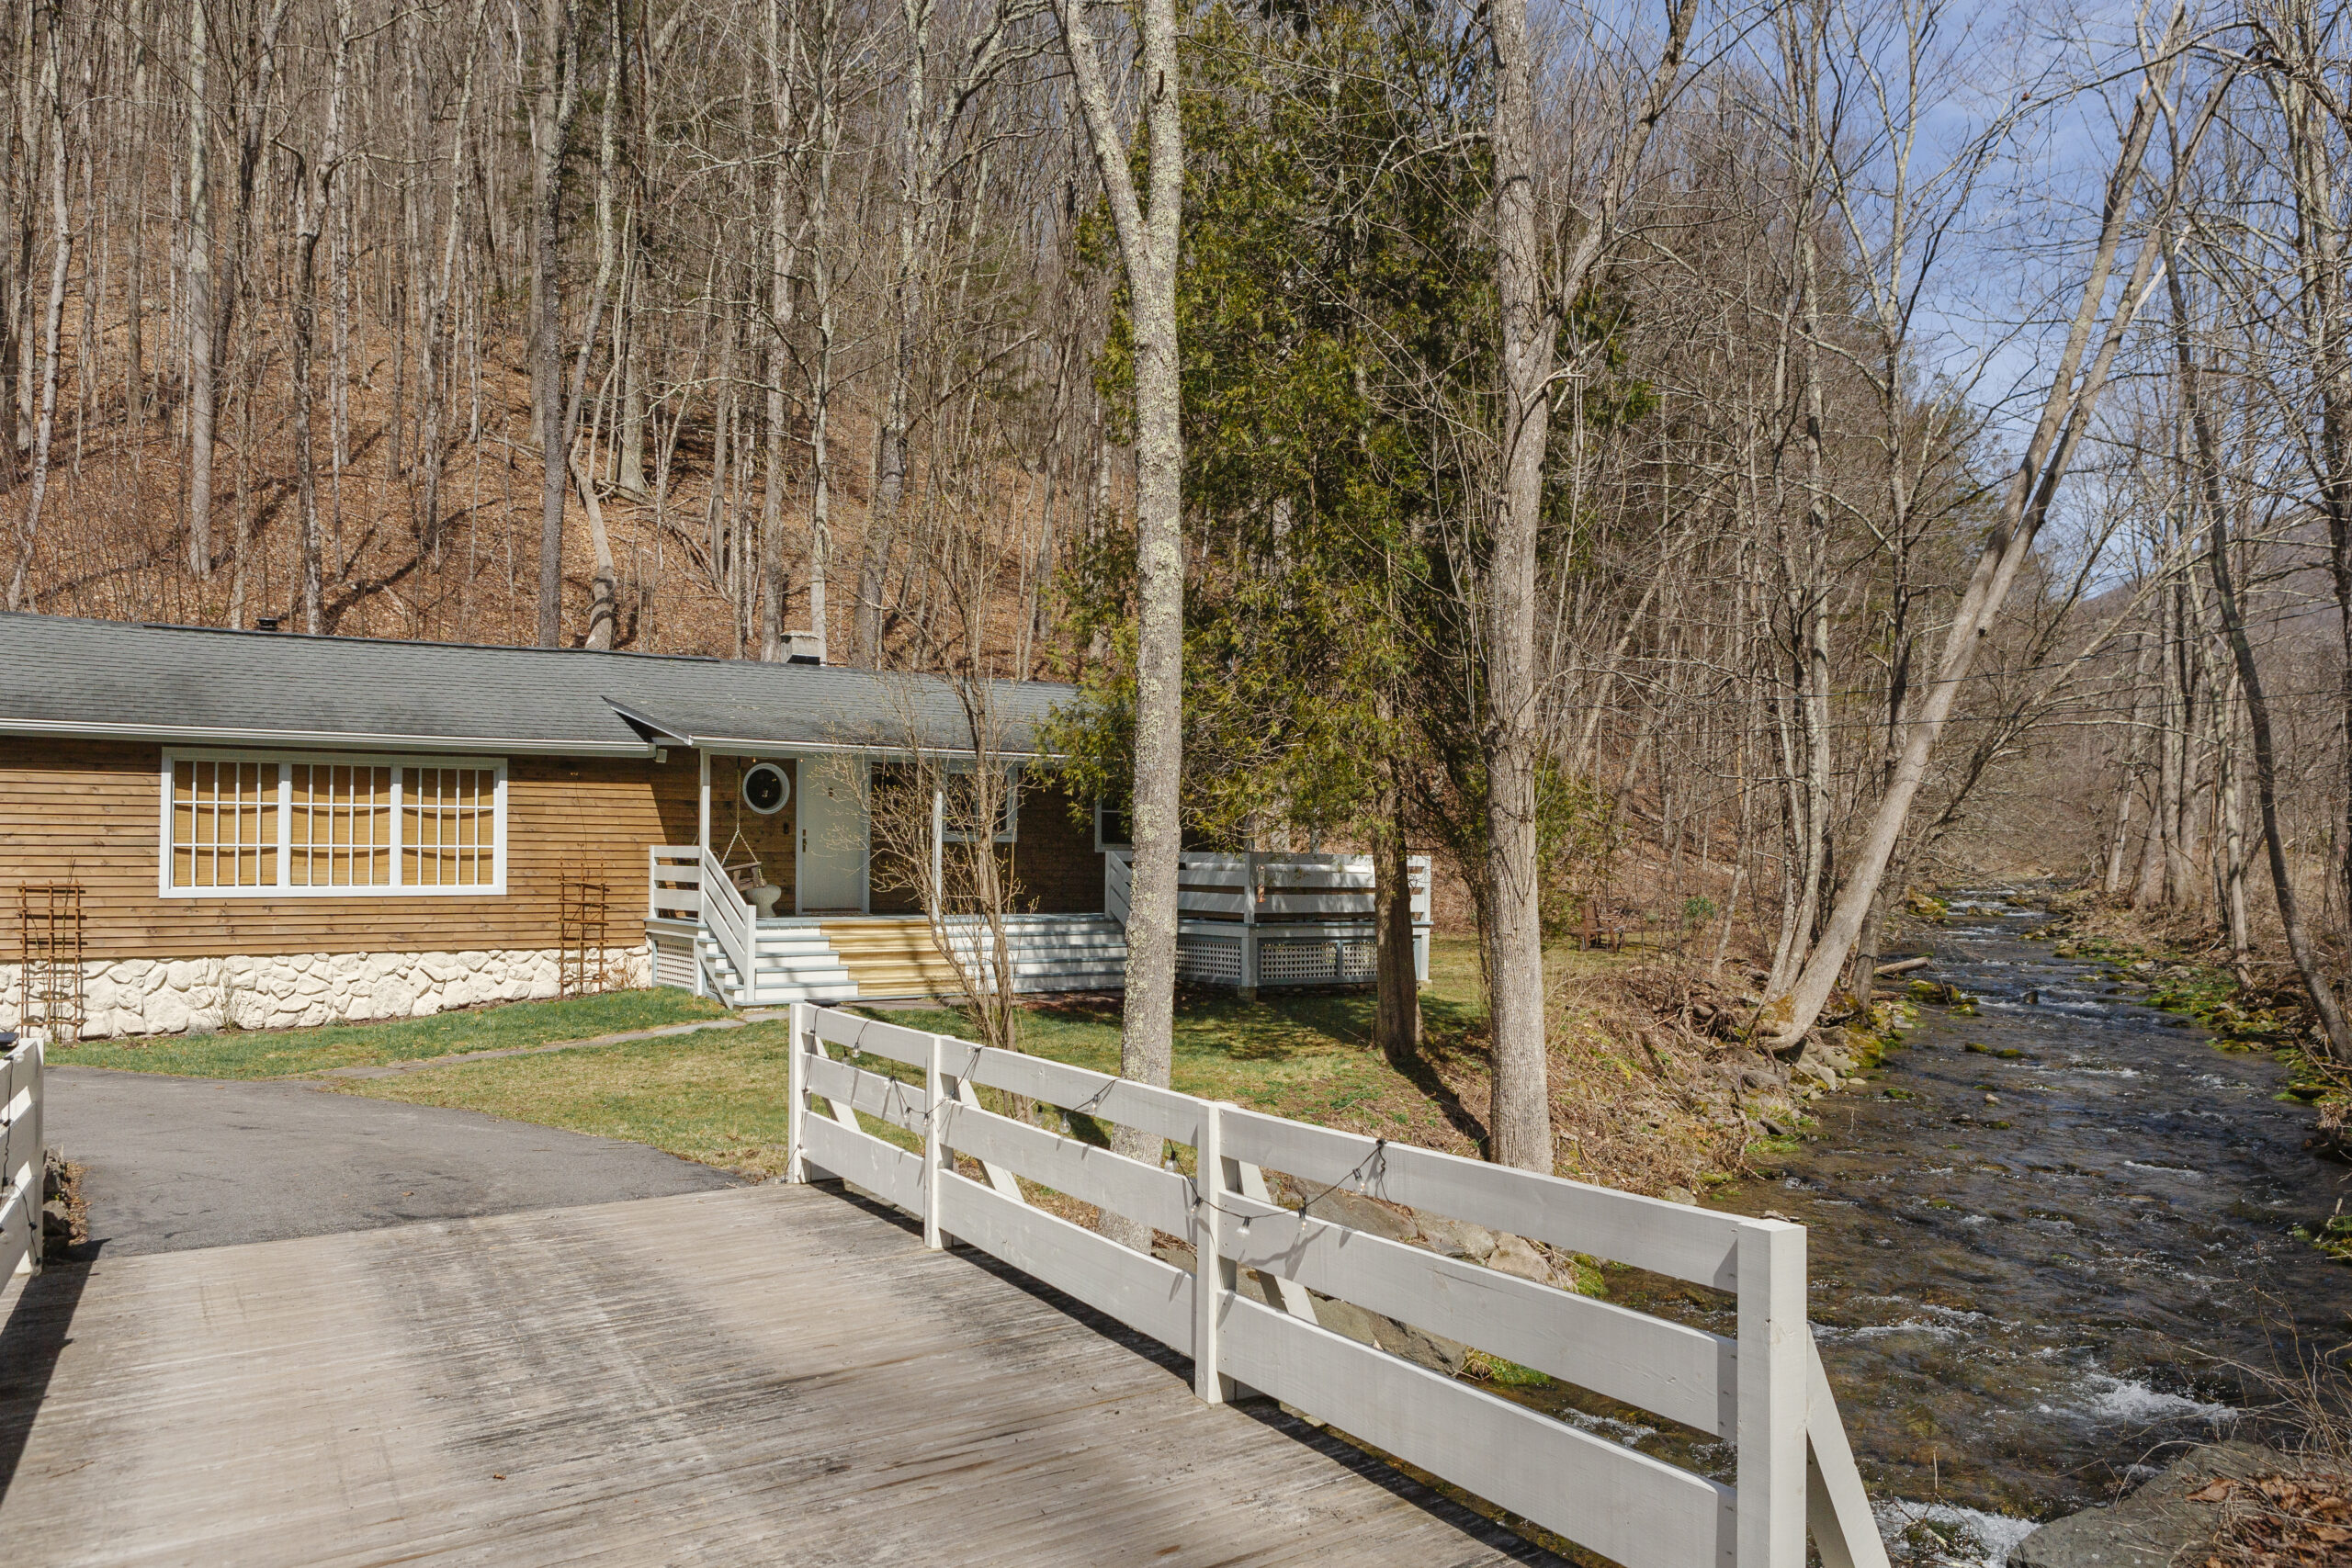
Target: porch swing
740	863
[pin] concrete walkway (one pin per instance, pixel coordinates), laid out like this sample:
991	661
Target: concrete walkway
176	1163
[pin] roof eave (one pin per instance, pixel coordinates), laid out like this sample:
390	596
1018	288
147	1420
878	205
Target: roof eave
746	743
205	735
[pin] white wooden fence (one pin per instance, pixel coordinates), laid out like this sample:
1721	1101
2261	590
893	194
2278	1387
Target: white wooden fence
1763	1391
23	1164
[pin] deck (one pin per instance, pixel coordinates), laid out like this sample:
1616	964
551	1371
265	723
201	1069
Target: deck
758	1375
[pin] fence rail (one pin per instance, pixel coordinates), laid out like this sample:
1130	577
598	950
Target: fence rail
1763	1391
23	1163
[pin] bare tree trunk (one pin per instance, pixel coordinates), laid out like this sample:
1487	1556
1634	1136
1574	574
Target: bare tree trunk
311	223
1397	1027
2120	843
556	100
2065	413
2306	954
53	318
134	279
782	42
1520	1113
2308	961
202	352
1519	1116
1147	224
825	89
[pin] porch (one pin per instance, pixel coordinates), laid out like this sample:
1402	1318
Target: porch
1272	918
1248	922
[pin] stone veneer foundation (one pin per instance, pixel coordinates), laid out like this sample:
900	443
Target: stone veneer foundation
294	990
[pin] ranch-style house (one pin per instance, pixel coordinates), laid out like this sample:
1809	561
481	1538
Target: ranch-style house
202	828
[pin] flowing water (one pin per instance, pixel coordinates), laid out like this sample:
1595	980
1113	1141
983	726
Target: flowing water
2031	1263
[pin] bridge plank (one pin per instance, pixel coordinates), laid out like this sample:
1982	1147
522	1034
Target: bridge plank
751	1376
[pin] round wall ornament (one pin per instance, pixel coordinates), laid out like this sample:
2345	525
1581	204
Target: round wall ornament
766	788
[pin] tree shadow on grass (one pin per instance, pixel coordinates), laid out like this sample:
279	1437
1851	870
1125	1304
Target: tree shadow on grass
1420	1071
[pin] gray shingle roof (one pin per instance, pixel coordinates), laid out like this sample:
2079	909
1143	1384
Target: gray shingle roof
61	676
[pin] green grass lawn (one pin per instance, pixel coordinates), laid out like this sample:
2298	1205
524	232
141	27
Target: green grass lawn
720	1098
290	1053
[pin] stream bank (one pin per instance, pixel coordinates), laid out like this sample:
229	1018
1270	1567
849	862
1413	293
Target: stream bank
2046	1229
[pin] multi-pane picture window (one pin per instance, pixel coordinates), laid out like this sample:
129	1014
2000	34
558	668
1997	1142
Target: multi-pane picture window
243	824
448	827
341	826
223	824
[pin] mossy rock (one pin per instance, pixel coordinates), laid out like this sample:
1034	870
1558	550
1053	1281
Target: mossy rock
1925	906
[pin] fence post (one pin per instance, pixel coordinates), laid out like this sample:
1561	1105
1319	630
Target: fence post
933	1120
1211	1274
1773	1339
795	1167
1249	926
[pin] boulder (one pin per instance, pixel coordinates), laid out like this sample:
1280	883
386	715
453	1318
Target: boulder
1517	1255
2155	1524
1434	1352
1457	1238
1362	1213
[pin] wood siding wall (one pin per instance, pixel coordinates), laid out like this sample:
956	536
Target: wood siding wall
88	812
1057	869
771	841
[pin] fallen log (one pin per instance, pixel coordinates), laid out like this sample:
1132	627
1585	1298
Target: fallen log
1901	966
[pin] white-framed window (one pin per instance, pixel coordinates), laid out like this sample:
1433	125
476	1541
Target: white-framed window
961	806
1112	830
303	825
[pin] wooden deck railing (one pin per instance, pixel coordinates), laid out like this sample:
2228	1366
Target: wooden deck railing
23	1163
673	882
1762	1391
729	918
1268	886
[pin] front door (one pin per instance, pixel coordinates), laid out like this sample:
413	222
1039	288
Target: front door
832	847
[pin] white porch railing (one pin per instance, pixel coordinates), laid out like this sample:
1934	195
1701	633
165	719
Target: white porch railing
1269	886
673	882
1254	920
728	917
1763	1391
1118	884
23	1163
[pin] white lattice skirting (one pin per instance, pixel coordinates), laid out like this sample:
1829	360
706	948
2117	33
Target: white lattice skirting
140	996
1322	958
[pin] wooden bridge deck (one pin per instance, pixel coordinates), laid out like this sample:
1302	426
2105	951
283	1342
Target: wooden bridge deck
760	1375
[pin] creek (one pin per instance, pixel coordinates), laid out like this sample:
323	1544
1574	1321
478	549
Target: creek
2042	1239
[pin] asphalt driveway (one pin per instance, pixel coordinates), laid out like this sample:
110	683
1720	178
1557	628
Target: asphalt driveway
176	1163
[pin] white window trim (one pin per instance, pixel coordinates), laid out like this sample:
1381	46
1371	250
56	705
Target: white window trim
1101	843
1012	834
286	762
